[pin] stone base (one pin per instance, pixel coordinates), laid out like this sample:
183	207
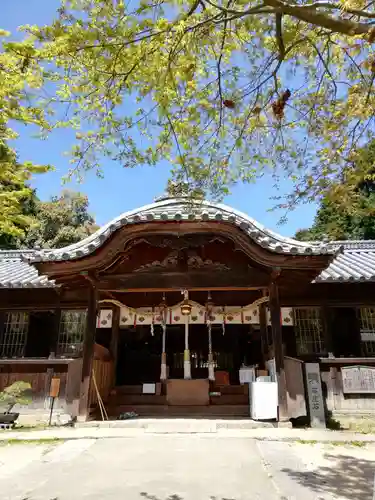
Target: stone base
34	419
284	425
355	423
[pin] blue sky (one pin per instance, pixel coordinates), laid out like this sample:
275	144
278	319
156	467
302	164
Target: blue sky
125	189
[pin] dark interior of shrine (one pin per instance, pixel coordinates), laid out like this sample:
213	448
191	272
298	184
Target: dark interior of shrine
139	352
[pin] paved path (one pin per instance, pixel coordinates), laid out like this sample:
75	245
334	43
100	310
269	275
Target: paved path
185	467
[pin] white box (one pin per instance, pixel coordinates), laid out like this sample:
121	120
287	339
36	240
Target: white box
149	389
263	400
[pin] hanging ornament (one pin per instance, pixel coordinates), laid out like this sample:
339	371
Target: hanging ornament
152	322
224	321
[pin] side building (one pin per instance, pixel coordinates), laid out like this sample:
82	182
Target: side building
161	309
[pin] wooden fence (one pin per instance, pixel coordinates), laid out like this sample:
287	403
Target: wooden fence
103	373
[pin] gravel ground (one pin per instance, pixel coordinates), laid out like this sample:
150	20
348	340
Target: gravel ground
186	467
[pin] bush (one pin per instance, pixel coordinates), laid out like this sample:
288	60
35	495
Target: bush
17	393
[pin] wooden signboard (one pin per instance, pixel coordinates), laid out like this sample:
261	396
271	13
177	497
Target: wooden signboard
55	387
315	395
358	379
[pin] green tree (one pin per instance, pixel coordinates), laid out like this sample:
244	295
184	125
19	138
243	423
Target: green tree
53	224
223	89
343	220
60	222
17	199
14	175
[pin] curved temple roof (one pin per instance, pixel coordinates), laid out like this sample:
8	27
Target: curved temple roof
355	263
180	209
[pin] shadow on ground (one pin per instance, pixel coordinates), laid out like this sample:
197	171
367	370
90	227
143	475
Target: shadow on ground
347	477
147	496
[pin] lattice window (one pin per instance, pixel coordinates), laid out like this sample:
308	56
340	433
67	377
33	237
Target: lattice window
366	316
309	331
71	333
16	327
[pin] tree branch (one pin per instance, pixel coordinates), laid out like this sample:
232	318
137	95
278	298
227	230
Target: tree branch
279	36
309	14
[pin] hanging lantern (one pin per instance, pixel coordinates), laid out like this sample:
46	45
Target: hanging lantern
186	306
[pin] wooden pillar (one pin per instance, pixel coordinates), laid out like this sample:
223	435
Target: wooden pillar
55	334
88	352
325	315
114	340
275	310
263	331
2	327
54	339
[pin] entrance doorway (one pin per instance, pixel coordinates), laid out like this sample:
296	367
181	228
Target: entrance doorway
139	352
138	358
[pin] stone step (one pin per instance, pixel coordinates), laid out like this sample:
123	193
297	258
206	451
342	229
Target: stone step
174	424
171	411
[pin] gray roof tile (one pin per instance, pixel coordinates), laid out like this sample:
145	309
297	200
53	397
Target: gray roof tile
355	264
16	273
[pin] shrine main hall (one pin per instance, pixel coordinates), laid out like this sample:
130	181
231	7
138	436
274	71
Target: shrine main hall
169	307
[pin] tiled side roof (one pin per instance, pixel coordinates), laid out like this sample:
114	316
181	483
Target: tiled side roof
355	264
181	209
16	273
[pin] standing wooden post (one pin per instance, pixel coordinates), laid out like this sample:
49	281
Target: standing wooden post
263	331
327	333
56	327
2	326
114	339
88	353
277	340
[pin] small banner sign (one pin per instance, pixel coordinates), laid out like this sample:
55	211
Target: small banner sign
54	388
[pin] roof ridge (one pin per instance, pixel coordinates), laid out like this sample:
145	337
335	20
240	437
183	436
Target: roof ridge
4	254
177	209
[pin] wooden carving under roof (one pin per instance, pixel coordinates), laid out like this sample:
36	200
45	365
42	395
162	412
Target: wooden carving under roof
189	260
